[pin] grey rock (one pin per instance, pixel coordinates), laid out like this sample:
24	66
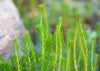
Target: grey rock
11	26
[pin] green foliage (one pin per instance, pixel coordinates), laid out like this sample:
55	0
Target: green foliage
56	54
4	65
98	40
98	29
87	9
25	5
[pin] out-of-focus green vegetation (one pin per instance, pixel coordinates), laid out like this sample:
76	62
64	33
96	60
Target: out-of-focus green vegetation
29	12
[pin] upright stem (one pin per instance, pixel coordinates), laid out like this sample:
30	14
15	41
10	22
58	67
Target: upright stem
60	55
59	31
68	59
17	54
67	51
42	35
96	57
92	54
28	55
86	49
56	50
46	21
85	46
75	48
83	54
34	58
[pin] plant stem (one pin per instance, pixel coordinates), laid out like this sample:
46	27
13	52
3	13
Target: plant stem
59	28
79	59
42	35
68	60
67	50
56	51
34	58
46	21
83	54
86	49
28	57
75	48
17	54
92	54
96	57
48	66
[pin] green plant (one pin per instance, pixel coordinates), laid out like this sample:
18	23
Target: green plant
87	11
57	54
98	40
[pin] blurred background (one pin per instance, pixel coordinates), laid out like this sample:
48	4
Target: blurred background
68	9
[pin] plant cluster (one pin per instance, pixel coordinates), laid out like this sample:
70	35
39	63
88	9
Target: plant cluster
56	53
